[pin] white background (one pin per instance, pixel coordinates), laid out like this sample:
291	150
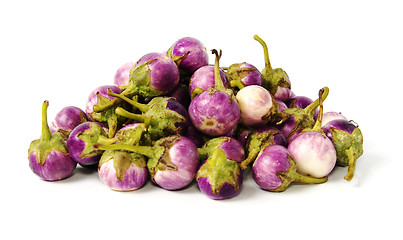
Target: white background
62	51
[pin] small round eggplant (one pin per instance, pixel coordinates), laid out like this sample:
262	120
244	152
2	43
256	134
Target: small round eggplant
274	170
218	177
232	148
243	74
348	141
330	116
48	156
122	74
203	79
67	119
189	54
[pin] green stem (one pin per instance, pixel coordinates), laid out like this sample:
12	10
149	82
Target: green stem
105	140
142	107
196	92
318	123
251	157
266	53
46	133
311	108
218	158
219	85
236	83
106	106
352	161
306	179
124	113
143	150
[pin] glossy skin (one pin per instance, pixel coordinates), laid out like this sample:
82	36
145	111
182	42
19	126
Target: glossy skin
122	74
233	149
135	177
57	166
184	155
204	78
313	153
164	74
227	190
67	119
330	116
76	146
255	102
340	124
253	77
197	57
283	94
271	159
214	114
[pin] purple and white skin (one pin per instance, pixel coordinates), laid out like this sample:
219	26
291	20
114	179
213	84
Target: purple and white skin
48	156
233	148
275	80
215	112
348	142
330	116
312	151
172	161
122	74
189	54
274	170
81	140
218	177
258	139
243	74
203	79
257	106
67	119
98	99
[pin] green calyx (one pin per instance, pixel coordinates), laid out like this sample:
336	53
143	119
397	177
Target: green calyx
219	170
95	134
255	143
236	73
272	78
208	148
218	84
159	120
349	147
122	160
287	177
47	142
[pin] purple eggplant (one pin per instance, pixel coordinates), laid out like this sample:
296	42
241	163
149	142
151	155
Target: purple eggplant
218	177
172	161
275	80
257	106
203	79
81	140
99	98
181	94
48	156
189	54
330	116
348	141
67	119
122	74
232	148
163	116
243	74
215	112
259	139
274	170
313	152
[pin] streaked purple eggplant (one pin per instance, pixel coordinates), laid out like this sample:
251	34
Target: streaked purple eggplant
99	98
232	148
348	140
163	116
259	139
330	116
189	54
218	177
257	106
313	152
274	170
215	112
67	119
121	77
81	140
203	79
172	161
275	80
48	156
243	74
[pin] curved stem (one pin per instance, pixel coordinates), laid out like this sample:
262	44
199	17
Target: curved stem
251	157
311	108
124	113
143	150
266	52
106	106
318	123
236	83
352	161
46	133
142	107
217	77
306	179
196	92
105	140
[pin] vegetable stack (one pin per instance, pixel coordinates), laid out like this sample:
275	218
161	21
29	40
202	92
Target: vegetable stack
173	119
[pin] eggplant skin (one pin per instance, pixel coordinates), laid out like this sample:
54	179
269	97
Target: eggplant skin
57	166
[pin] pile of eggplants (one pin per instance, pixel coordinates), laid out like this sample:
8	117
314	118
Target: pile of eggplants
173	119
